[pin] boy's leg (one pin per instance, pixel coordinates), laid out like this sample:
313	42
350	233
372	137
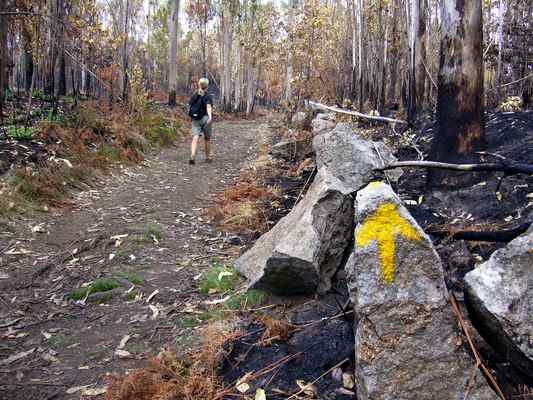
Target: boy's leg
196	132
207	148
207	129
194	146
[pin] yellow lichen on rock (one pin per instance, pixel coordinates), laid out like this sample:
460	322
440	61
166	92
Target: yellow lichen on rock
383	227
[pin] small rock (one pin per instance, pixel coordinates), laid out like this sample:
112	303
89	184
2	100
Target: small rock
323	122
299	119
123	354
347	380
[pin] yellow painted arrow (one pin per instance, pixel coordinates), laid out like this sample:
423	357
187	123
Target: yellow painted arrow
383	226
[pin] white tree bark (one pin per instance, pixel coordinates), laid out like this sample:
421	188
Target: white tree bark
173	51
360	39
290	50
226	25
501	16
238	81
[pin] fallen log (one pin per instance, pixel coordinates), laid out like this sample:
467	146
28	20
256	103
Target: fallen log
356	114
502	236
508	168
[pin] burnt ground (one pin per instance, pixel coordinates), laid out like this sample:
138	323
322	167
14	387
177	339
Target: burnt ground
51	343
493	202
318	345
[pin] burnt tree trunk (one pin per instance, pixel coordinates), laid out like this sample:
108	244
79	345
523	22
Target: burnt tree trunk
49	87
394	54
28	57
460	103
3	54
60	72
417	56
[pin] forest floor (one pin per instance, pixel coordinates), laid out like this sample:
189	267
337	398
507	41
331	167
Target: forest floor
145	230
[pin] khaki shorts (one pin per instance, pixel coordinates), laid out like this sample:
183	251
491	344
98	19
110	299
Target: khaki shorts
201	127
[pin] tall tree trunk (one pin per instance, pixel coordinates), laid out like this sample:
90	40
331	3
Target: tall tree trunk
394	53
383	77
53	10
501	14
354	51
290	50
460	103
173	52
125	53
60	78
360	44
238	81
28	57
226	22
3	55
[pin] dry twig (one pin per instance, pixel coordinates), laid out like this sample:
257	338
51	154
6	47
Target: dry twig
479	362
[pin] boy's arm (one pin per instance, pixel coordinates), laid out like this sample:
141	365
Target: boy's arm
209	113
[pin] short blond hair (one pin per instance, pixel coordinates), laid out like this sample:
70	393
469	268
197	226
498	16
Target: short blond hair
203	84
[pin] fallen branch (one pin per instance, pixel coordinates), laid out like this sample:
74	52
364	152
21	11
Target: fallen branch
295	395
357	114
518	80
479	362
508	168
505	235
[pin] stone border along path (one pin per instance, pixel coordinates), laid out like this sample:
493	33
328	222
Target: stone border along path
50	345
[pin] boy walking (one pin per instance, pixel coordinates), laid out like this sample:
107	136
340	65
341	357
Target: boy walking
201	113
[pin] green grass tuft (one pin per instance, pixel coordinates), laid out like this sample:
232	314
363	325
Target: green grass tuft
219	280
242	301
109	152
158	130
100	285
132	277
20	132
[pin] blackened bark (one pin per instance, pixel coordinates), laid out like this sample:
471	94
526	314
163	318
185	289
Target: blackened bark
28	58
460	102
61	76
3	55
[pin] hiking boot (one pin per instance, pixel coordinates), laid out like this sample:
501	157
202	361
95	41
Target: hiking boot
192	162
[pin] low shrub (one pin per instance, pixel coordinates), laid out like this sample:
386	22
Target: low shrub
100	285
219	279
20	132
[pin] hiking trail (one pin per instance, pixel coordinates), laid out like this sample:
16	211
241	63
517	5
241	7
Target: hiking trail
52	345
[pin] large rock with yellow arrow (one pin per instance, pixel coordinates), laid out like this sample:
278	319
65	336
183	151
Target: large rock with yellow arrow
407	345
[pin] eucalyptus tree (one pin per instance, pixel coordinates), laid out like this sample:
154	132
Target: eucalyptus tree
460	102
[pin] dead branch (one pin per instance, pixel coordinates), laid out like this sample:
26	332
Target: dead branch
356	114
508	168
295	395
518	80
505	235
479	362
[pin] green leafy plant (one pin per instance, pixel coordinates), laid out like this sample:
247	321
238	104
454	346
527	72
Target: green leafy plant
132	278
219	279
100	285
20	132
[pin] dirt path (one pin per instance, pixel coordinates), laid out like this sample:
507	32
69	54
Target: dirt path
161	207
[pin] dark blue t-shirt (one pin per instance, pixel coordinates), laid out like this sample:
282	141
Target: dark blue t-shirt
203	101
